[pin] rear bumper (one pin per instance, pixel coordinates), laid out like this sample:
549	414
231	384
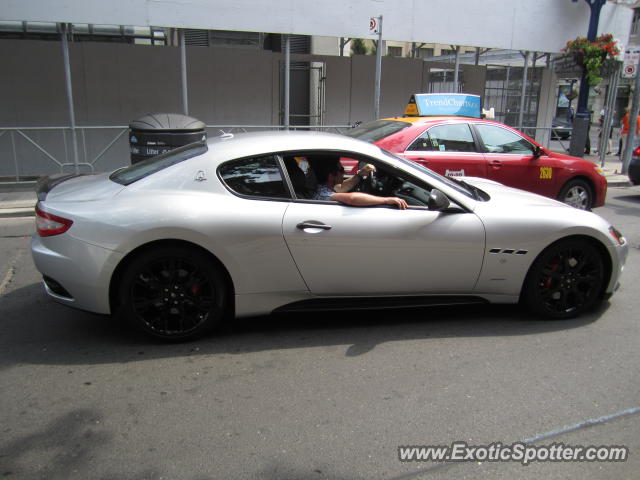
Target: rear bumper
77	273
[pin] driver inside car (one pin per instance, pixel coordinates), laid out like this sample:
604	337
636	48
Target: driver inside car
332	185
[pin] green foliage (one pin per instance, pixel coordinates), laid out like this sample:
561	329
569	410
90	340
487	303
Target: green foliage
591	55
358	47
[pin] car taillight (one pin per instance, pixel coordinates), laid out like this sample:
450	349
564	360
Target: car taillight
617	235
636	152
48	224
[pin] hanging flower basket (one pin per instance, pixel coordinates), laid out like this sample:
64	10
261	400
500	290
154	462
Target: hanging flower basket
592	56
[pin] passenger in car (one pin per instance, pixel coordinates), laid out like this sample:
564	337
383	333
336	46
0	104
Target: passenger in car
329	173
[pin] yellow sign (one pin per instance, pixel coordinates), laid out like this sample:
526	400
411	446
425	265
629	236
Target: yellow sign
546	173
412	108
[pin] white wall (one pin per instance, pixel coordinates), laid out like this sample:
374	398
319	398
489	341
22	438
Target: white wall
536	25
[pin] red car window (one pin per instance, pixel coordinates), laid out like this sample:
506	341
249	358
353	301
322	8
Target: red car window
454	137
500	140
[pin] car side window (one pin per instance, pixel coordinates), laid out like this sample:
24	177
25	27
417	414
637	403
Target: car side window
455	137
389	184
255	177
500	140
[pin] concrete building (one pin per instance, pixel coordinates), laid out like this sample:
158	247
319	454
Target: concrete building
125	60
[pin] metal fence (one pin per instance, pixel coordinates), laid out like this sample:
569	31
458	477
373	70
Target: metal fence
27	153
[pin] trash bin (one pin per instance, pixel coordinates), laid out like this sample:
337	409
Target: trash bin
158	133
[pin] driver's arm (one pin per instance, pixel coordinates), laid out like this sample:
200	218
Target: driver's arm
359	199
351	183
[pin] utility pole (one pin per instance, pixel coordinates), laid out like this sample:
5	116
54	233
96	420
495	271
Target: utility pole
583	116
633	122
375	25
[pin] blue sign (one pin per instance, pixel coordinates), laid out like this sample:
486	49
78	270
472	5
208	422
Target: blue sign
436	104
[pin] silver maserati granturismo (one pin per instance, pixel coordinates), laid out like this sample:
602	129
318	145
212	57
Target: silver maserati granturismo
183	241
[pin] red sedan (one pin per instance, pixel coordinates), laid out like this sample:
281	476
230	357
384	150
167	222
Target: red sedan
475	147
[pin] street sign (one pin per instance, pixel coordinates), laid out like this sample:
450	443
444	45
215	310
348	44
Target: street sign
373	25
631	57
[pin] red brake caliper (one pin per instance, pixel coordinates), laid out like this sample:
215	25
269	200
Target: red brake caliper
549	280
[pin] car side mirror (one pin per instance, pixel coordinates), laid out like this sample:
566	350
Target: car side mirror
537	151
438	201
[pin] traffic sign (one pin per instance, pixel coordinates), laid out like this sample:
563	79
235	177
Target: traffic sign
631	57
373	25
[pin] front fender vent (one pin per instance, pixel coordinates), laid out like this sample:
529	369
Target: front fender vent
507	251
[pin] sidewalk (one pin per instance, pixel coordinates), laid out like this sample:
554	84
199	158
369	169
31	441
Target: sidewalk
19	200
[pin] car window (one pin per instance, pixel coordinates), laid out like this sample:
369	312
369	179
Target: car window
454	137
137	171
255	177
374	131
392	185
500	140
460	187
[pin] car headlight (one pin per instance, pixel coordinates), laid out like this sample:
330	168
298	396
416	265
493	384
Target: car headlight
599	170
617	235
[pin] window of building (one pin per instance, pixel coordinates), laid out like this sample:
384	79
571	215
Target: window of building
394	51
635	25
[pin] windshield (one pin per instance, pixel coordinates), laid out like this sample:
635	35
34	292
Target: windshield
133	173
374	131
461	187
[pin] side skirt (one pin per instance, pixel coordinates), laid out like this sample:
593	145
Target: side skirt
368	303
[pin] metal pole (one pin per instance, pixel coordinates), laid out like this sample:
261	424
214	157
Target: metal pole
287	79
376	94
524	90
633	122
605	133
67	77
183	69
456	70
531	79
582	119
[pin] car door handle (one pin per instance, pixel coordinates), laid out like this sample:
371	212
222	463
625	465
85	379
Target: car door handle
322	226
495	163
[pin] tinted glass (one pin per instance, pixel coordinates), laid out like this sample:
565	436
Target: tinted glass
445	138
374	131
456	185
500	140
135	172
256	177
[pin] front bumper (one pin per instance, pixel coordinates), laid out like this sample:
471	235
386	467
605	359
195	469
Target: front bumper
619	255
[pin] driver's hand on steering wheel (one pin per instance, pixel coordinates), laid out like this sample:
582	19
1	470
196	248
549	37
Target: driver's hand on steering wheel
366	170
398	202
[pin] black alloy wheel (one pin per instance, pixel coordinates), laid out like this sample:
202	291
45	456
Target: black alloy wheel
173	293
565	280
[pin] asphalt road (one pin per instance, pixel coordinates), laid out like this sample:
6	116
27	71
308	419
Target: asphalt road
313	397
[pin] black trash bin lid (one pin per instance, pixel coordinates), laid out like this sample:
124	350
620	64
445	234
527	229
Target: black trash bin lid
160	122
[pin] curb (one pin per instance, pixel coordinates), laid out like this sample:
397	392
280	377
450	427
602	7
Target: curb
17	212
620	183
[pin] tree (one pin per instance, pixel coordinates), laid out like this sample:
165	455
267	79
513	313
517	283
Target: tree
358	47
